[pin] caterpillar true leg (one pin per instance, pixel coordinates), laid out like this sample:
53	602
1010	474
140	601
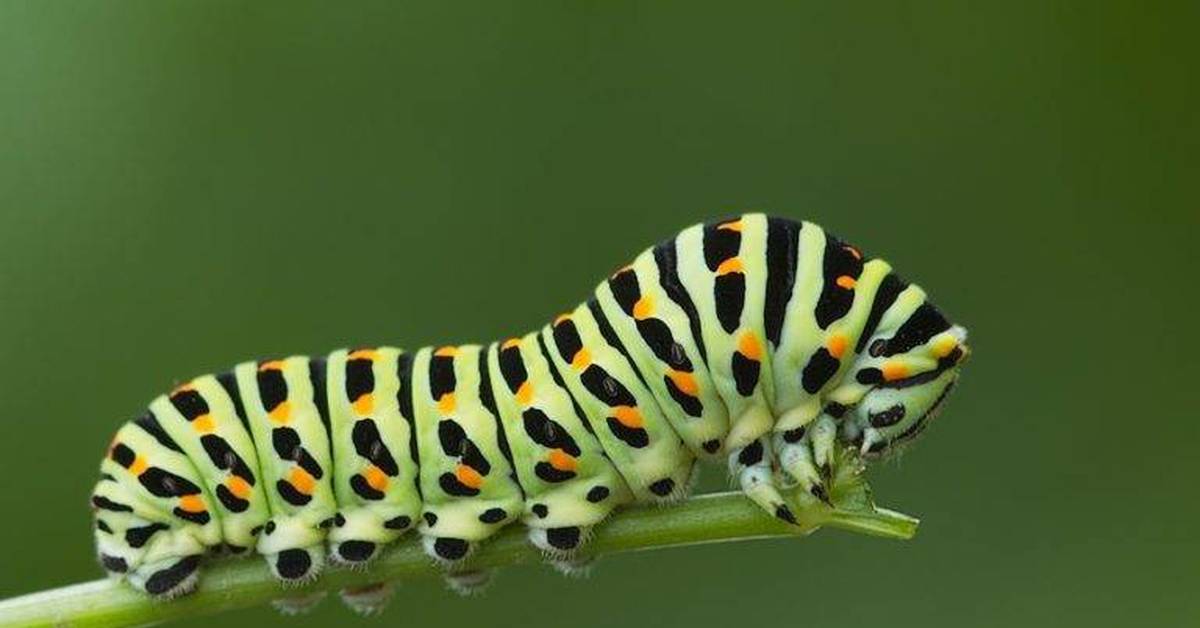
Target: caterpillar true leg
752	467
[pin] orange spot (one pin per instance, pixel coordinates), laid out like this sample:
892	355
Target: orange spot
581	360
446	352
643	308
893	371
204	424
281	413
138	466
847	282
182	388
853	251
837	345
191	503
364	404
363	354
733	225
376	478
238	487
748	346
510	343
685	382
562	461
302	480
525	393
468	476
731	265
561	318
446	403
627	416
272	365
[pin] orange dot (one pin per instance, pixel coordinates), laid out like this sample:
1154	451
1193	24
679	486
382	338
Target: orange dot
204	424
627	416
581	360
138	466
446	352
191	503
837	345
468	476
732	225
731	265
363	354
183	388
281	413
893	371
301	479
562	461
644	308
685	382
271	365
847	282
364	404
446	403
376	478
853	251
510	343
749	346
238	486
525	393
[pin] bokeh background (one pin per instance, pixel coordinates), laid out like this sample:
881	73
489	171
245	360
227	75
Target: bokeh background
185	185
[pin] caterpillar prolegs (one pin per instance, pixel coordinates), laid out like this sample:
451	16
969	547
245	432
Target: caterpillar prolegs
758	340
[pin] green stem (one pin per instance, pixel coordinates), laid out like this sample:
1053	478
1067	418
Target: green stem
232	584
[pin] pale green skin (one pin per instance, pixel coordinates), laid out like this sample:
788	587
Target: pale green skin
763	421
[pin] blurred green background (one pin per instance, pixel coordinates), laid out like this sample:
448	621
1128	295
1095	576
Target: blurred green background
184	185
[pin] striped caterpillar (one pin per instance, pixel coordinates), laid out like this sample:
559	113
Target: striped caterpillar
759	340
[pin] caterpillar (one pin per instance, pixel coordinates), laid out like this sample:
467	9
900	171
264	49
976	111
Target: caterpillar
758	340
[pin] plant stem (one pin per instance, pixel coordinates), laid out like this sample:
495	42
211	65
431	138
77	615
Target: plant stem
232	584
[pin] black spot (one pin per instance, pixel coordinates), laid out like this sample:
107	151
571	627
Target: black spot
103	527
785	513
691	405
104	503
751	454
232	502
891	416
729	294
398	523
441	376
339	520
269	528
235	549
835	409
711	446
290	494
635	437
164	580
122	455
547	432
360	378
114	564
224	457
548	473
293	564
821	367
256	530
597	494
356	551
835	301
137	537
493	515
563	538
163	483
201	517
794	435
450	549
869	376
745	373
451	485
663	487
190	404
540	510
430	519
272	388
363	489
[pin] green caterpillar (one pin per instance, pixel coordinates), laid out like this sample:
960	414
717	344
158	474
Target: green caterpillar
757	339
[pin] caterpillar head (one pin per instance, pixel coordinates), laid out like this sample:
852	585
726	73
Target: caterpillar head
902	404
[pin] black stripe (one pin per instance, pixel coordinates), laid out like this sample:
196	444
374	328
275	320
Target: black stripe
889	289
316	375
667	258
404	398
229	383
561	383
488	398
149	424
610	336
783	239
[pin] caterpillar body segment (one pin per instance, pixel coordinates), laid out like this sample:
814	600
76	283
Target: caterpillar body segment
757	340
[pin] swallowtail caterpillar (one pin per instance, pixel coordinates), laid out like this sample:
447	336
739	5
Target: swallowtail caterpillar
756	340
